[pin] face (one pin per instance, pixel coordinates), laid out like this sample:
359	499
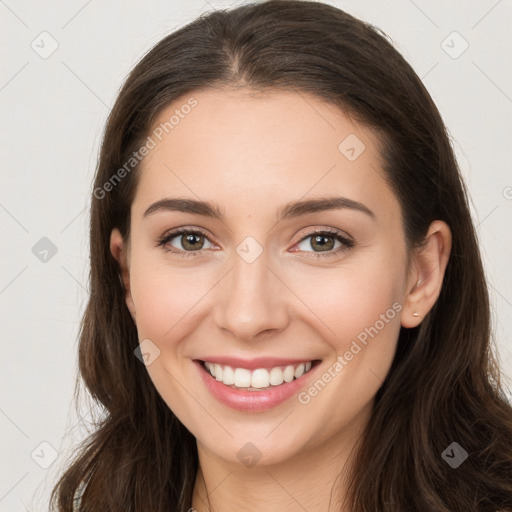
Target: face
265	285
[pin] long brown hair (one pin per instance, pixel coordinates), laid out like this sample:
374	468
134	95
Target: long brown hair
444	383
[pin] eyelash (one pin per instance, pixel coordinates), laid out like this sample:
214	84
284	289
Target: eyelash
347	243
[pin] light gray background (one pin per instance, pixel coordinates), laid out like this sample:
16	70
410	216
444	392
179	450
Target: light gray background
53	114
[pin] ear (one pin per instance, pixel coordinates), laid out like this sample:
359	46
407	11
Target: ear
427	273
120	252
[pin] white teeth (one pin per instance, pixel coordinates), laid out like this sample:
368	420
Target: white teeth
242	378
257	379
260	378
276	376
228	375
289	373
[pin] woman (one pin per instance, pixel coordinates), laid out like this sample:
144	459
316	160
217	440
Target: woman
288	307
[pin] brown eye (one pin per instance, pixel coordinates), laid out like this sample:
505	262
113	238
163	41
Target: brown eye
192	241
324	242
184	240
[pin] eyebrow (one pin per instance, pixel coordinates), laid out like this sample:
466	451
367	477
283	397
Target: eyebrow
291	209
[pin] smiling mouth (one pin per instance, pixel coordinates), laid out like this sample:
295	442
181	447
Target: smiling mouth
260	379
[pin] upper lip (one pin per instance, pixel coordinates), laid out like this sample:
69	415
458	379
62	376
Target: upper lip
253	364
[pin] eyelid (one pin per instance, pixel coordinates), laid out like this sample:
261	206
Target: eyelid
307	232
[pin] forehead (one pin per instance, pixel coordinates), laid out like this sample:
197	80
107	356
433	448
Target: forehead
246	148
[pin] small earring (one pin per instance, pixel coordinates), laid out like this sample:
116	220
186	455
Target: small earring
415	314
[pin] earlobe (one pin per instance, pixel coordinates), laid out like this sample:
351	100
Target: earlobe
119	251
429	266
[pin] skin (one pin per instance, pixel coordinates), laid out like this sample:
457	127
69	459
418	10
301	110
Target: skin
253	153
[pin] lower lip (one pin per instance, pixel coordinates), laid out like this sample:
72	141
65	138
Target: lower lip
253	401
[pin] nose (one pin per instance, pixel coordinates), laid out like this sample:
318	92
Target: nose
252	300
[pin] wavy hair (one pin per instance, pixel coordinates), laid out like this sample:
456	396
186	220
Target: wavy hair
444	382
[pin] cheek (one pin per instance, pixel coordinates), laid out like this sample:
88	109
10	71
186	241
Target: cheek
346	302
167	302
166	299
359	316
360	305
